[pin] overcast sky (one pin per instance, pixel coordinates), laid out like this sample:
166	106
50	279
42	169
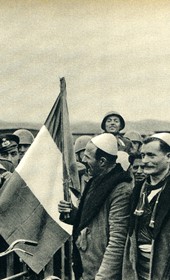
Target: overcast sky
114	55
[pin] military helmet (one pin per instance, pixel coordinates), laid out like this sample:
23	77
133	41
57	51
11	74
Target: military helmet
113	113
25	136
133	136
81	142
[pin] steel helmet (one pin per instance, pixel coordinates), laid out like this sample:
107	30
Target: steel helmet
81	142
25	136
133	136
113	113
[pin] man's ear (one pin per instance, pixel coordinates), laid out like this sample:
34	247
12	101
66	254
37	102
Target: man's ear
168	156
102	161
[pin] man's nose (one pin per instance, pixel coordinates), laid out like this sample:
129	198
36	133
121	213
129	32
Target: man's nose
84	159
22	148
145	159
9	157
140	170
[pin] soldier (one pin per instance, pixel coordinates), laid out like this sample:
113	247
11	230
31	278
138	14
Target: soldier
80	146
26	138
135	139
9	148
113	123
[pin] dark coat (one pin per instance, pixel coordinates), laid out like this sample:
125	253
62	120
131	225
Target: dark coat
101	225
160	256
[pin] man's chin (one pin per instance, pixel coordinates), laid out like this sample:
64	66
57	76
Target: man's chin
139	178
112	131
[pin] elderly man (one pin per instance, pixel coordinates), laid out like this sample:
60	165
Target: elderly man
113	123
9	148
147	254
101	221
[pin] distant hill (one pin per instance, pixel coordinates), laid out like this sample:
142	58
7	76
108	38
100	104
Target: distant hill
148	126
143	127
87	127
10	127
16	125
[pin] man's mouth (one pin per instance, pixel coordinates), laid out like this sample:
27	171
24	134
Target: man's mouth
112	127
139	177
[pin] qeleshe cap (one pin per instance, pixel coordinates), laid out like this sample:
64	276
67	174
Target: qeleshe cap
162	136
107	142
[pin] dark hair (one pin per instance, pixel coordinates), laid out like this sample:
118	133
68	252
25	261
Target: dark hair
100	153
132	157
164	147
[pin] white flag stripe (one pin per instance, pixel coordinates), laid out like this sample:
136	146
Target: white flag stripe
45	176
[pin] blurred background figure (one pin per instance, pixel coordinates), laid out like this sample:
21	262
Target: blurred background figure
2	171
26	138
80	146
6	170
136	141
9	148
113	123
137	167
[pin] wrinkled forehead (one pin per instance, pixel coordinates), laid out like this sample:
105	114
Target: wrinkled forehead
150	147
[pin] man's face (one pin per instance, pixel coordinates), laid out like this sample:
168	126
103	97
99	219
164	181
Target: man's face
112	124
22	149
155	161
12	155
80	155
138	170
89	159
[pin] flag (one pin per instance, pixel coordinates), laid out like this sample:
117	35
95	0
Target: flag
29	199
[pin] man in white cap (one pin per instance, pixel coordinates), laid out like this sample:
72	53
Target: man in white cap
101	221
147	253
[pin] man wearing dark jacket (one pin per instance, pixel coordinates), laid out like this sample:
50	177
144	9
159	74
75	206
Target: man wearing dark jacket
101	221
147	253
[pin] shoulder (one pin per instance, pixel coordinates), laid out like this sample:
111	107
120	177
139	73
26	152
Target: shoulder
122	190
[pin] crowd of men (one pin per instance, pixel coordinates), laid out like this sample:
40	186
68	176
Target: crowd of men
121	225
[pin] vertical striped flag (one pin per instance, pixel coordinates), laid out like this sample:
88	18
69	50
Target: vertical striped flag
29	199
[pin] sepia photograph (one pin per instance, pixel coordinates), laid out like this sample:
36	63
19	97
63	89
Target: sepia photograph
85	140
